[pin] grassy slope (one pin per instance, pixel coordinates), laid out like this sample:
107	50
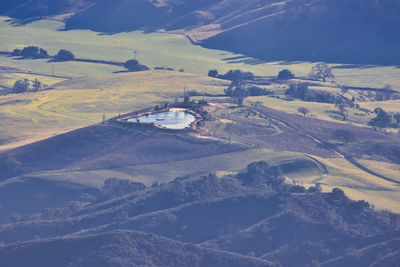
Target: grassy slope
81	102
164	172
156	49
8	79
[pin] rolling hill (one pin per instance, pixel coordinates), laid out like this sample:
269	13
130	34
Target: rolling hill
350	31
252	218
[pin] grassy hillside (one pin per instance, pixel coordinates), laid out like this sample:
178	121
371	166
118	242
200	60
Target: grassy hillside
80	102
120	247
334	31
157	49
252	214
361	31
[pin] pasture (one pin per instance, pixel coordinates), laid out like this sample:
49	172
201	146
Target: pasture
158	49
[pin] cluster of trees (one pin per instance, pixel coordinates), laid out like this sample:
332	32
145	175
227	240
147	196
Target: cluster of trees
31	52
134	65
232	75
344	135
239	91
37	52
301	91
385	119
114	187
384	94
22	86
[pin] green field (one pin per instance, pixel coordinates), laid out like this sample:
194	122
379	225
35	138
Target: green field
156	49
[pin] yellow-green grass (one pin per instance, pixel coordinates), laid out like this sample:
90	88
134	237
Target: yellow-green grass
155	49
77	103
321	110
389	106
8	79
390	170
371	76
67	69
360	185
164	172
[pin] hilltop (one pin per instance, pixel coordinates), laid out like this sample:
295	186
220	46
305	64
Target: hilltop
346	31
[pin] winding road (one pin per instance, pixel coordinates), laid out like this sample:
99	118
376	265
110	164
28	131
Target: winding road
261	110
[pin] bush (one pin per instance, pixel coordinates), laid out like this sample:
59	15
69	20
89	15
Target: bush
64	55
285	75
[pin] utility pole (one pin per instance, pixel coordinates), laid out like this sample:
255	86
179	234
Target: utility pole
135	52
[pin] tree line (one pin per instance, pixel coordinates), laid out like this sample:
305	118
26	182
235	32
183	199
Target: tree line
36	52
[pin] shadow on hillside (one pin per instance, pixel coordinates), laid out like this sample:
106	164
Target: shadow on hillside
16	22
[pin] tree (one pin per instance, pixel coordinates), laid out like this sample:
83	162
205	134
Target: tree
343	134
297	91
344	89
237	91
36	85
132	65
237	75
64	55
321	71
213	73
16	52
396	118
382	119
285	75
21	86
342	109
303	111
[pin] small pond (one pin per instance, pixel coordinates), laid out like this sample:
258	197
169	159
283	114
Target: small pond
172	119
